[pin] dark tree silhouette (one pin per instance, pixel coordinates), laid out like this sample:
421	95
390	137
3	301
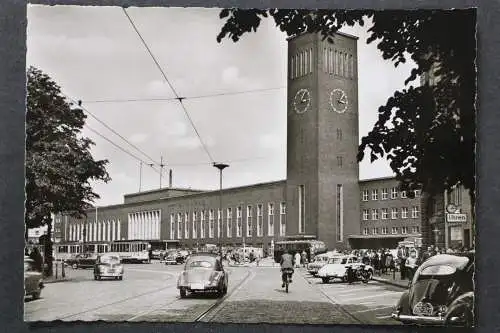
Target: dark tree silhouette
427	132
59	164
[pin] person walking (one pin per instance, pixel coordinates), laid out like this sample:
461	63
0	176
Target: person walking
411	265
304	258
297	260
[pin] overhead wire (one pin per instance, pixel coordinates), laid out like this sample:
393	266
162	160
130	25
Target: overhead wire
168	82
165	99
111	129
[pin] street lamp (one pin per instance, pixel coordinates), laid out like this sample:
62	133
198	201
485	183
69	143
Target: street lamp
220	166
436	236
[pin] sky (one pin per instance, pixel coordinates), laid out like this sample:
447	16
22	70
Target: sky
94	54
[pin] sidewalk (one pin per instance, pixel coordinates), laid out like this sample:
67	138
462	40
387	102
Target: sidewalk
388	278
52	279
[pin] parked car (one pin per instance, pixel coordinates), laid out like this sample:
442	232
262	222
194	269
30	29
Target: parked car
172	259
83	260
319	261
441	293
157	254
108	266
336	268
33	283
203	272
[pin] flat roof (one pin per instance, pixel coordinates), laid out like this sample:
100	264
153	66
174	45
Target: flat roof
378	178
164	189
337	33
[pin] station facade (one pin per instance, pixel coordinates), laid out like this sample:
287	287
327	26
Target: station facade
322	196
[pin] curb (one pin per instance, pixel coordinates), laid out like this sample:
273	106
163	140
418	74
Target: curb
56	281
389	282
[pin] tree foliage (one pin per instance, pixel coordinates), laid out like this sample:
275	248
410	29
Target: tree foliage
426	132
59	163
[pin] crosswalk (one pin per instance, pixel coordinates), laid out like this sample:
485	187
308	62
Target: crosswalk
371	303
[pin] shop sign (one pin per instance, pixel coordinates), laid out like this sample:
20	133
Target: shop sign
456	218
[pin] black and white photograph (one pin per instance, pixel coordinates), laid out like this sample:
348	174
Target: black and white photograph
226	165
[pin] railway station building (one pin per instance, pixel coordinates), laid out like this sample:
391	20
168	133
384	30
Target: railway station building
322	196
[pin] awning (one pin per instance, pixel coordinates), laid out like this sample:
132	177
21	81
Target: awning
377	236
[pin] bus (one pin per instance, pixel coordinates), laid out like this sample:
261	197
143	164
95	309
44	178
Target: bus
312	248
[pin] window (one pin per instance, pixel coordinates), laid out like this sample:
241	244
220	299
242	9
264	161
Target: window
186	225
394	230
365	231
270	219
340	213
249	221
417	193
194	228
415	212
404	212
384	230
384	194
385	213
416	230
339	134
325	60
375	231
202	223
282	219
403	194
330	62
172	227
375	194
366	214
179	225
339	161
239	222
229	222
394	213
302	215
404	230
211	223
310	60
260	222
394	193
365	195
374	214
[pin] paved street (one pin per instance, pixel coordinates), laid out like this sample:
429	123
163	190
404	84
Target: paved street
149	293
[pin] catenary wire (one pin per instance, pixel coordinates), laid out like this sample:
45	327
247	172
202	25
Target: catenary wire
160	99
119	147
111	129
167	80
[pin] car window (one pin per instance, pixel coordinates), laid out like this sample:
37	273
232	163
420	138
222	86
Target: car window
201	262
110	260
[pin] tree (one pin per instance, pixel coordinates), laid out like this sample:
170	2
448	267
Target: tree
427	133
59	164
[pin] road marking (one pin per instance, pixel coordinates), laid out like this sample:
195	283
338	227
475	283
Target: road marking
377	295
374	309
383	317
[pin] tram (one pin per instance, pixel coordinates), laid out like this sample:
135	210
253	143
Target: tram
312	248
65	251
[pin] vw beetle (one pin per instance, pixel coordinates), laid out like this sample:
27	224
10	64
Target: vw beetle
440	293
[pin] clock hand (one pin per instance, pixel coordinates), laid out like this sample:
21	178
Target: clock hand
302	99
341	101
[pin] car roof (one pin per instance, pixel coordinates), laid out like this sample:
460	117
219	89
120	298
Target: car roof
458	262
204	254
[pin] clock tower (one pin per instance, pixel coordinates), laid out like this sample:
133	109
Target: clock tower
322	192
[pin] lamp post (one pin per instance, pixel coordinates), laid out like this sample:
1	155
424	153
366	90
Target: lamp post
220	166
436	235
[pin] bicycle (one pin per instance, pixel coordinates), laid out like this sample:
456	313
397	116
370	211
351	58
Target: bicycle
288	277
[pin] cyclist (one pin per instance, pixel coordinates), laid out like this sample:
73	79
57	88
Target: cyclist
287	264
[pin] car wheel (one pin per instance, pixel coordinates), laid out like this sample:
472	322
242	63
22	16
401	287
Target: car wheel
182	293
98	277
35	295
325	279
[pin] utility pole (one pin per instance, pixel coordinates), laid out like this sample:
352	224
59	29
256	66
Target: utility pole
220	166
161	169
140	176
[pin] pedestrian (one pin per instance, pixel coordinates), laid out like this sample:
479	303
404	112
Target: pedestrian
297	259
37	259
411	264
304	258
401	261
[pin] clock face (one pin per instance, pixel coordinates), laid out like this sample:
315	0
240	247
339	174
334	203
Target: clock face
302	100
339	100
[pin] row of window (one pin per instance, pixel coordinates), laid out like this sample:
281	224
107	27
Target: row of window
415	213
194	224
338	63
95	231
301	64
394	230
385	194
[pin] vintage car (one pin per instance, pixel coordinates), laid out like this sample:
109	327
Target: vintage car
336	268
108	266
440	293
33	284
203	272
83	260
158	254
319	261
172	259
